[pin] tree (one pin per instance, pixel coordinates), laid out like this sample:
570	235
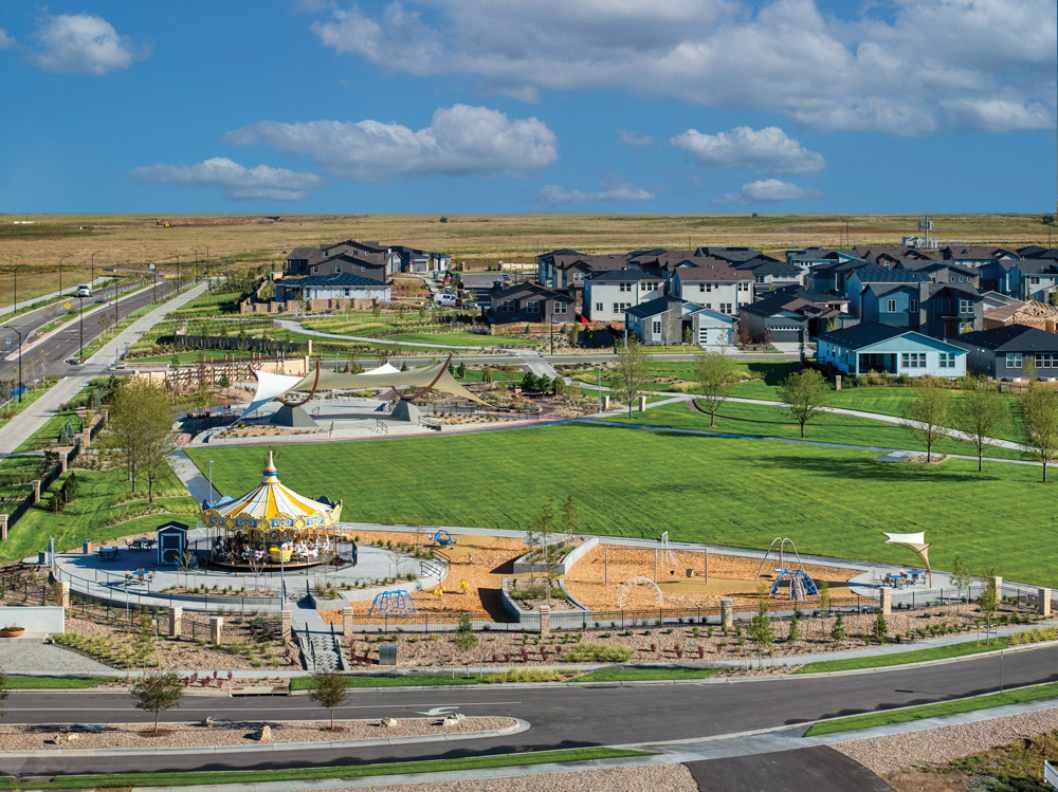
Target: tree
960	574
156	693
805	393
980	410
631	372
881	628
465	638
329	691
794	633
760	630
837	632
141	423
714	376
824	596
143	645
928	409
1039	414
1028	369
989	600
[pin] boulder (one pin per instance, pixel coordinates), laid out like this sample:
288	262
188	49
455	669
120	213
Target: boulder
264	734
208	722
388	723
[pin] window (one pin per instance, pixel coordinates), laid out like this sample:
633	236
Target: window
578	277
599	308
910	360
625	287
625	306
947	360
560	307
649	285
701	287
890	306
725	308
744	286
1046	360
966	306
616	307
656	326
708	306
1014	360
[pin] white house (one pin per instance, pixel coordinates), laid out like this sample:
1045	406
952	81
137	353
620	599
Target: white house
339	286
607	295
717	288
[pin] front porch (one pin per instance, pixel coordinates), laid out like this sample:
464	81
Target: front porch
884	362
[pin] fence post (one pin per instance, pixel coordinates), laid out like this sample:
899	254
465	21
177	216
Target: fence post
1043	602
216	627
886	601
64	593
3	527
727	614
176	622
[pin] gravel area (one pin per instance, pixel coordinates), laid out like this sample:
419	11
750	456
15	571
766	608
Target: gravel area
652	778
936	747
186	735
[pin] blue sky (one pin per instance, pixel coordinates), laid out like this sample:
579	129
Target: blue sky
509	106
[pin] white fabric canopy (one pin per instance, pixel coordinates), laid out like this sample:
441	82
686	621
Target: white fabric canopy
269	387
915	541
385	368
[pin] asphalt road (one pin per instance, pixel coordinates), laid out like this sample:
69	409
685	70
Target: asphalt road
560	716
819	769
49	358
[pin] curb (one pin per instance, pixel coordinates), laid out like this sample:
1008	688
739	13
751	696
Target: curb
518	727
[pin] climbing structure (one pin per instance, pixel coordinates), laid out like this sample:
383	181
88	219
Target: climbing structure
392	603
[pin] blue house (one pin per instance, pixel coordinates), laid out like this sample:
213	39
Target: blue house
889	350
863	277
893	304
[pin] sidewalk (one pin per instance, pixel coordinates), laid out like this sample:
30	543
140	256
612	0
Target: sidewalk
18	430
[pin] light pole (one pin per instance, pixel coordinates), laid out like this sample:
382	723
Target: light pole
92	282
61	260
210	474
80	322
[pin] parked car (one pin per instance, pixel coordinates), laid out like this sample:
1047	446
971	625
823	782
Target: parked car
445	299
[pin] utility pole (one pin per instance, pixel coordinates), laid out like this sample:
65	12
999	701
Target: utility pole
19	334
92	282
80	355
14	276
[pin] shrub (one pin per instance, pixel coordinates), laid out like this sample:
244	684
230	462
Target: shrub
592	652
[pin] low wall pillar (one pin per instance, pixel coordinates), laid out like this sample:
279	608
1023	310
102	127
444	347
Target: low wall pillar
727	613
347	625
216	630
545	621
605	403
176	622
3	527
36	484
886	601
286	621
1043	602
642	404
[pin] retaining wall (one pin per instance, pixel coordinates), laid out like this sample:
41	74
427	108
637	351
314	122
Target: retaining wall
38	620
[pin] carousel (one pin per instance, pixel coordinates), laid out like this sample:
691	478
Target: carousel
271	526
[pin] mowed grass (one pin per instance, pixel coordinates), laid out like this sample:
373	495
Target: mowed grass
941	709
640	482
904	658
755	419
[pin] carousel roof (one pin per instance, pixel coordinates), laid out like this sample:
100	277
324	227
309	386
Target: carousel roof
272	500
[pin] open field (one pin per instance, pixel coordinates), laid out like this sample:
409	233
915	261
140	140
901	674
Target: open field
640	483
241	241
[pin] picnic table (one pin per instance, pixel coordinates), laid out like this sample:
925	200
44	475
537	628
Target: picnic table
109	553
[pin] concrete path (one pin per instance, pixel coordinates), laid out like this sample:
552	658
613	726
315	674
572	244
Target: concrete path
536	363
15	432
297	327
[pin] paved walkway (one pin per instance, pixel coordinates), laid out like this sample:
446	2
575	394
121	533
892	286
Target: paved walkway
15	432
32	655
297	327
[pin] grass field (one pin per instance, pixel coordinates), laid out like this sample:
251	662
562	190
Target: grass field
250	777
757	419
236	242
23	682
871	720
640	483
903	658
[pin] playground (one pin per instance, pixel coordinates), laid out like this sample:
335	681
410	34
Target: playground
613	577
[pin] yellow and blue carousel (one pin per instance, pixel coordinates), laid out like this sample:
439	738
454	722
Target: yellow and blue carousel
271	526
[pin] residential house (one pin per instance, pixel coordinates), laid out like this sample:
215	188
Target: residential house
769	273
807	259
1002	352
977	256
607	295
711	330
888	255
1039	277
333	286
566	268
656	322
348	263
529	302
1042	316
792	315
732	255
944	272
716	286
863	277
952	311
833	275
425	262
889	350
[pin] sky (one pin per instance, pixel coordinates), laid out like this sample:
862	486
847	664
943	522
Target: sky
450	106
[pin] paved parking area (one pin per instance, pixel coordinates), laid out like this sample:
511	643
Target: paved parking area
819	769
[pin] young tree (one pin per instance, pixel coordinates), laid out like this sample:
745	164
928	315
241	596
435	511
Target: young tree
960	574
929	409
837	632
143	646
881	628
1039	414
714	376
760	629
329	691
631	372
805	392
794	633
989	601
141	423
824	596
465	638
156	693
980	410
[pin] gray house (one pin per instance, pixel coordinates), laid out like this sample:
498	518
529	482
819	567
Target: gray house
952	311
1002	352
658	321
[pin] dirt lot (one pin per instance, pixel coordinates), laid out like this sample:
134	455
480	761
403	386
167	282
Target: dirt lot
728	576
670	778
187	735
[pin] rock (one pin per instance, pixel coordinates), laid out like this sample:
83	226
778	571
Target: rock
208	721
450	721
264	734
388	723
72	737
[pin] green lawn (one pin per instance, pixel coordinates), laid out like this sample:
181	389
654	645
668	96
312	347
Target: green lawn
776	422
103	509
247	777
903	658
940	709
642	482
22	682
646	674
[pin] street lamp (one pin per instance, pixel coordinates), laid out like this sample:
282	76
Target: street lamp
61	260
209	498
80	322
92	282
19	333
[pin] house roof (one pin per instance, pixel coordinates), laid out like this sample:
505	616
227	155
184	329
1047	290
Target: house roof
874	252
796	301
1037	266
500	292
1038	252
336	279
875	274
862	335
702	271
654	307
1012	338
731	254
622	276
960	291
914	265
978	252
361	260
769	266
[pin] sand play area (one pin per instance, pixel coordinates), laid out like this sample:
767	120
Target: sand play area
686	579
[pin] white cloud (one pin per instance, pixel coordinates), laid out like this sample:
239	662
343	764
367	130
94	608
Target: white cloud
1000	114
631	138
768	191
238	182
459	140
618	191
901	66
769	149
81	43
6	40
